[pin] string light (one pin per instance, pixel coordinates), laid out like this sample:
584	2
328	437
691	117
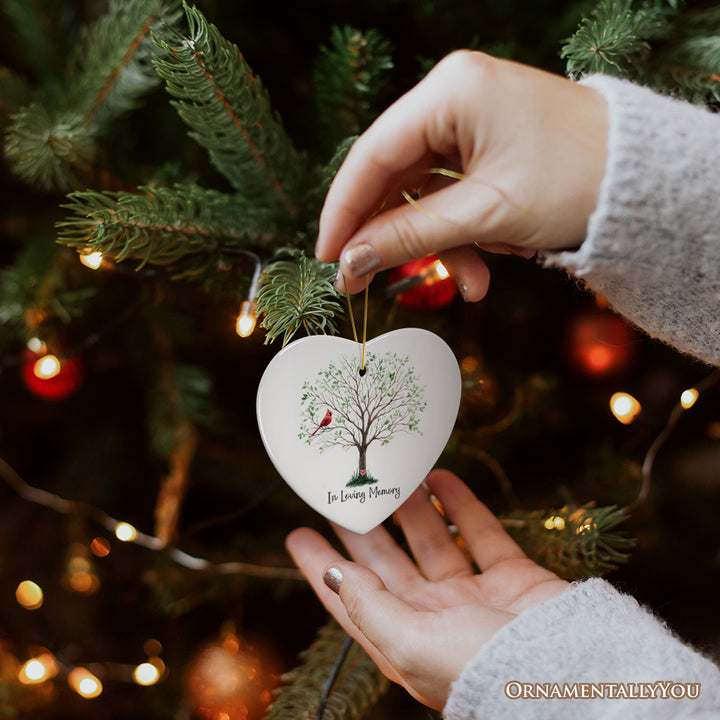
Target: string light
555	522
100	547
36	345
585	527
79	575
247	319
84	683
47	367
150	542
29	594
146	673
92	260
439	271
688	398
125	532
624	407
38	669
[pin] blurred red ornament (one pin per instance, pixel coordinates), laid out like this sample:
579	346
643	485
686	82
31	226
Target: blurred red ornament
48	383
600	343
229	680
429	285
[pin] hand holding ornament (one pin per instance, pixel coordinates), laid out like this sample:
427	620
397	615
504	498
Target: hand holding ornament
531	150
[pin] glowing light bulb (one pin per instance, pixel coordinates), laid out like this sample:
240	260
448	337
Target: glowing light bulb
587	526
125	532
29	595
46	367
38	669
100	547
246	319
441	272
146	674
470	363
36	345
624	407
84	683
688	398
555	522
92	260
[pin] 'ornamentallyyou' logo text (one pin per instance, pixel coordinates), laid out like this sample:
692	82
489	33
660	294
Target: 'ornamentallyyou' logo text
660	690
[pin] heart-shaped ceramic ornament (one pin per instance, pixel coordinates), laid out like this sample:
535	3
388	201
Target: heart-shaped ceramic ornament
354	445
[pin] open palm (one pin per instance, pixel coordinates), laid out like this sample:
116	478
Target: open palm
421	621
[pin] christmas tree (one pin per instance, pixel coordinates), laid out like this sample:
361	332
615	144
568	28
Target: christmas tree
158	205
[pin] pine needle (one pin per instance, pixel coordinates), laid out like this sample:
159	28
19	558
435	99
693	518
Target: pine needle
573	544
298	295
358	686
162	225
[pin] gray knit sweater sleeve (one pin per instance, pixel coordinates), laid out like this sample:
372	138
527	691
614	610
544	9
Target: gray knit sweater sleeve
653	244
653	250
590	641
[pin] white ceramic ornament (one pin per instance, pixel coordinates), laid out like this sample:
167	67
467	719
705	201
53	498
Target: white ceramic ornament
355	445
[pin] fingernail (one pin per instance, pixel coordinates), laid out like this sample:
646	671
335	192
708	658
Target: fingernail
361	259
332	578
527	253
463	288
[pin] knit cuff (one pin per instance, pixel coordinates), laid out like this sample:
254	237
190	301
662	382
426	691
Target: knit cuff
653	244
589	635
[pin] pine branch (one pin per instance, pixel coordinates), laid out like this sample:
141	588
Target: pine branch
163	225
14	93
38	30
298	294
114	65
229	113
53	145
36	288
316	195
182	395
575	545
357	688
615	39
349	76
51	149
688	66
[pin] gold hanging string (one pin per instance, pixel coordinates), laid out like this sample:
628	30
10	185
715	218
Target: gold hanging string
456	176
365	318
365	315
350	312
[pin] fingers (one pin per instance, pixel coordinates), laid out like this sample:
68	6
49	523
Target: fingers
355	596
383	618
388	150
457	215
382	554
469	272
481	531
432	545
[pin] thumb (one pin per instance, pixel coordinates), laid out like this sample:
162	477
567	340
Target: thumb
460	214
380	616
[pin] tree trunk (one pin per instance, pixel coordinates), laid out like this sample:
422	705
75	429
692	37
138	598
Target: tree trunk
362	464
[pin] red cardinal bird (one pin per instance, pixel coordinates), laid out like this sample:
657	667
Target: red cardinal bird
324	422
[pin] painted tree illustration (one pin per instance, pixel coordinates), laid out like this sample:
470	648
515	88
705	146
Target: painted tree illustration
366	408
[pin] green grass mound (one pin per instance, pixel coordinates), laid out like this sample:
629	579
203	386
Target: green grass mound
357	479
